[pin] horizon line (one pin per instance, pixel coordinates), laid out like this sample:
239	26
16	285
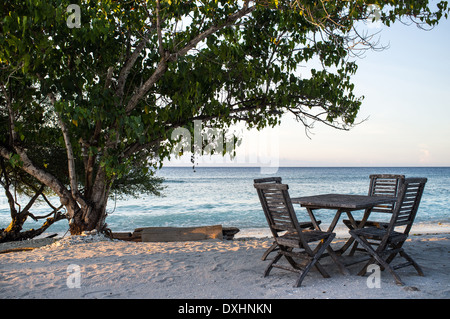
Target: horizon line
307	166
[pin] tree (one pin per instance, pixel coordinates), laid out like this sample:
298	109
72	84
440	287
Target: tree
120	77
40	139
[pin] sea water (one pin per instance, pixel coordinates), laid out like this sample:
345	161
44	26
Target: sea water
226	196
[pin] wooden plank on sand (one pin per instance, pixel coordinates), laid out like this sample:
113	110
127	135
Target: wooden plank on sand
169	234
127	236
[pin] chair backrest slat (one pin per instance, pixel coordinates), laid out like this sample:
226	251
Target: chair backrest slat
385	185
407	203
276	180
267	180
278	209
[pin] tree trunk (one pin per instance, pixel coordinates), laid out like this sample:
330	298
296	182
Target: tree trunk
87	218
92	215
84	213
16	224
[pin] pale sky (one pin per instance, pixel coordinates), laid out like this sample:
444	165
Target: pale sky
407	100
407	103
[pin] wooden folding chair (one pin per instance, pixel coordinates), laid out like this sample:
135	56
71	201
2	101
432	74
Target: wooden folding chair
277	180
294	244
390	240
380	185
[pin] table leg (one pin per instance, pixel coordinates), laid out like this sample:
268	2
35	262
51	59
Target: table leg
313	218
331	252
335	220
350	241
335	258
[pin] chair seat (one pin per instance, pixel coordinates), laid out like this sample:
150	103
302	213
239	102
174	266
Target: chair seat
291	239
308	224
379	233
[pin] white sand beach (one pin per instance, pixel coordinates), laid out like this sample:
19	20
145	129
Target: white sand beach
93	267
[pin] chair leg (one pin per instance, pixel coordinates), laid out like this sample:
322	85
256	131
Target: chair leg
344	248
353	250
396	249
403	254
322	270
377	257
268	251
300	279
413	263
333	255
318	266
314	261
398	281
270	266
315	255
363	270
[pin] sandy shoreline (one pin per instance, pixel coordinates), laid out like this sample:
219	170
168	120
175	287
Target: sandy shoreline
342	231
74	268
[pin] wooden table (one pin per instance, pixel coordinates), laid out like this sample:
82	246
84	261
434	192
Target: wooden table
342	203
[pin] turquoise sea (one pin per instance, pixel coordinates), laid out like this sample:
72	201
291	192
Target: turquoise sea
225	195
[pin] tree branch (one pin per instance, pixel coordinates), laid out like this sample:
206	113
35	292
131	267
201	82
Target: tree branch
162	52
127	68
41	175
70	157
162	65
37	193
36	218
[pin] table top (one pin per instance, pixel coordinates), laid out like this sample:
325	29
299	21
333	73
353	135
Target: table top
343	201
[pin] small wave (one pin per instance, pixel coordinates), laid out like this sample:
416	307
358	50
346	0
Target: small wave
173	181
